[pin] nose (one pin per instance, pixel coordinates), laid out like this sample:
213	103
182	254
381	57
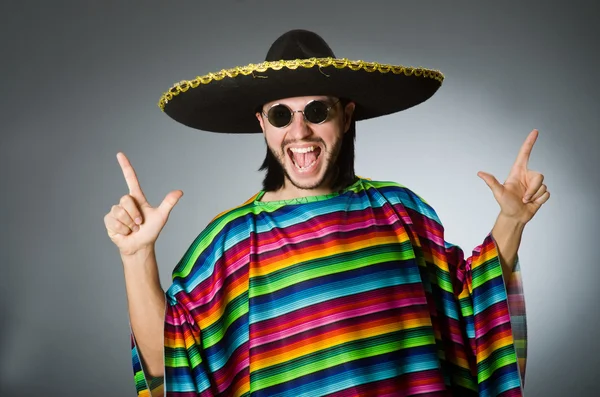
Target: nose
299	128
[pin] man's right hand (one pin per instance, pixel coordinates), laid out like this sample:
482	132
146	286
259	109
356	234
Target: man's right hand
133	224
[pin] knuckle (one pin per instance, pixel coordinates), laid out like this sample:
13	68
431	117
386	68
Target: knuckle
118	211
122	215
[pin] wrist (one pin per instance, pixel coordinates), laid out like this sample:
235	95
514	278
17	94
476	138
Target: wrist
510	222
141	254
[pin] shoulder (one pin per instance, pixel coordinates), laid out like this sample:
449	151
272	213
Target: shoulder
235	215
228	228
398	194
232	223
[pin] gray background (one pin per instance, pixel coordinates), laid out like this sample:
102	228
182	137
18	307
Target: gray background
80	82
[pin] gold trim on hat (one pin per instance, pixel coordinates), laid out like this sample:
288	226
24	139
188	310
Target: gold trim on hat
338	63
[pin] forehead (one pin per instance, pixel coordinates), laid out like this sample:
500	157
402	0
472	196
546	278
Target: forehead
299	101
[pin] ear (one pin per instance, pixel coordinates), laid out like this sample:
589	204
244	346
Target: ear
261	121
348	112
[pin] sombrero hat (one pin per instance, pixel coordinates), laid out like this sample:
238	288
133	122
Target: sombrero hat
299	63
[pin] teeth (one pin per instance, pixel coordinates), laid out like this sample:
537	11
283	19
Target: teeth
302	150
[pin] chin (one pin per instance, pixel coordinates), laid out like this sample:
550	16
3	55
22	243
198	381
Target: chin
313	180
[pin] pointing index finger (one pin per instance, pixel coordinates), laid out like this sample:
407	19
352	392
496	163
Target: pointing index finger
130	178
525	151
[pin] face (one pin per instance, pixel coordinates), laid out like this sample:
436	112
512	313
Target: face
307	152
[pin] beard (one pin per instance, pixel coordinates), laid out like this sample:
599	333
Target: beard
328	158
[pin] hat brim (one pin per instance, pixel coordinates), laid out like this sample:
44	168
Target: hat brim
227	101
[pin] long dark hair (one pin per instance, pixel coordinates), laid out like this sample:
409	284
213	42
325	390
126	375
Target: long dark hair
345	176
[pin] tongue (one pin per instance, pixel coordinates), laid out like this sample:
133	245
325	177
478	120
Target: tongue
304	159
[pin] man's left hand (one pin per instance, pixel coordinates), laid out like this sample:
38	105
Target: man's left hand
523	192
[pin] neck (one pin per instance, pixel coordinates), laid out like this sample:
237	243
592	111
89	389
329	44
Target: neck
290	191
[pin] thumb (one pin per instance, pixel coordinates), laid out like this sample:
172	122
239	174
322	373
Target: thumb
492	183
170	200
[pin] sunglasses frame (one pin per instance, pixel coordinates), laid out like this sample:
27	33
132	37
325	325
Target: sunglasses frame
293	112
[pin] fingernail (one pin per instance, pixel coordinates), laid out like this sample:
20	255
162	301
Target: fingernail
136	228
138	220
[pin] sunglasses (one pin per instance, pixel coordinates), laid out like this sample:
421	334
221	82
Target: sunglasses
316	112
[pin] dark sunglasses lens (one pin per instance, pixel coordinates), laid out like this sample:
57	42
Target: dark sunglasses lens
316	112
279	116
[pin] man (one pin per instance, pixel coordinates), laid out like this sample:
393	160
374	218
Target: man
323	283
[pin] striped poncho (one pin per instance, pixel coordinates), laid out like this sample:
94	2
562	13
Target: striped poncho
355	293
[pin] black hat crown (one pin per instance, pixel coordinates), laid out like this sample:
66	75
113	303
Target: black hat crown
299	44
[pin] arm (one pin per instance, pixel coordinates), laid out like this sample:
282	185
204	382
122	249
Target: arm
146	304
134	226
520	197
507	233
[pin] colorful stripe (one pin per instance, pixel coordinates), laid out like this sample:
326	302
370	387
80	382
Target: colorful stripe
351	294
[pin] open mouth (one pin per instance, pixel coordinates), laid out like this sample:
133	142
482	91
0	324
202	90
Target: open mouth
304	158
